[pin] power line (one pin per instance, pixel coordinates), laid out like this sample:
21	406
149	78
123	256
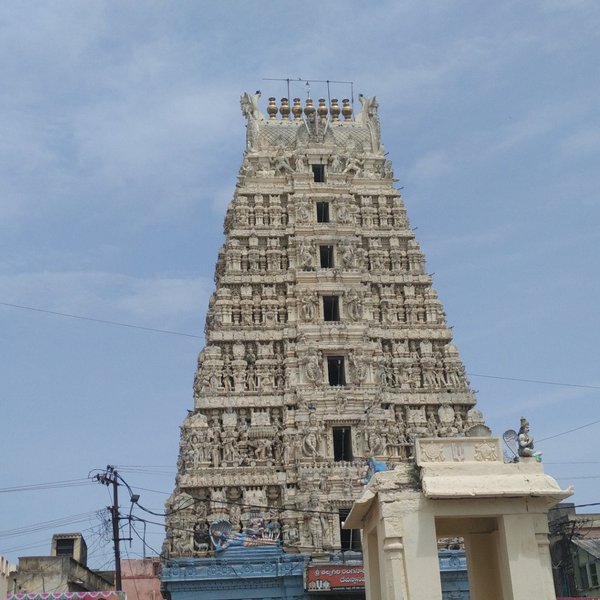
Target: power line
577	385
242	504
137	487
184	334
143	539
25	547
122	467
567	477
152	472
569	431
226	502
105	321
17	531
46	486
575	462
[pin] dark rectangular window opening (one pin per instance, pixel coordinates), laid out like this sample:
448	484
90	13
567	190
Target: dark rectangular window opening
318	173
342	443
65	547
584	577
331	308
335	369
322	212
349	538
326	255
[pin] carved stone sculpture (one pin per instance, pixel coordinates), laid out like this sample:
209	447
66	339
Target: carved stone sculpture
299	357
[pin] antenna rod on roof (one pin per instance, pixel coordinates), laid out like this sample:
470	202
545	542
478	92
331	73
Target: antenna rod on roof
309	81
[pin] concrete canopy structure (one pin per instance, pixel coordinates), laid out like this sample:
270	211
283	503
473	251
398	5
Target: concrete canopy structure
466	490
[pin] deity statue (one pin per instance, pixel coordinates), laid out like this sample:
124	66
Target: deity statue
301	164
309	306
525	442
250	110
305	256
368	116
315	523
343	213
281	164
336	164
360	366
347	252
312	366
303	210
353	166
354	306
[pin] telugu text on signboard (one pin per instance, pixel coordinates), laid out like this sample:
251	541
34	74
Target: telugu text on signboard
335	578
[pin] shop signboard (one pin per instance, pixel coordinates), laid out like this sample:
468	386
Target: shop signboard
334	578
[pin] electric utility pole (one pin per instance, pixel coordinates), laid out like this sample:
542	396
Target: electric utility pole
110	477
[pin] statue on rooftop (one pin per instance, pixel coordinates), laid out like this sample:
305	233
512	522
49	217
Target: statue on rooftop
250	110
249	105
525	442
368	116
369	109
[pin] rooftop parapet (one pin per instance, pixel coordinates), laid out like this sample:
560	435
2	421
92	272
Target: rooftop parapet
297	126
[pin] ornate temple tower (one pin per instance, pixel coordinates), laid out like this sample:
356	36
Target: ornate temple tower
325	341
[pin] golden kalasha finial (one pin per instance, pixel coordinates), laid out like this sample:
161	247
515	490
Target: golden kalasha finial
285	109
335	110
322	110
309	109
297	109
346	109
272	108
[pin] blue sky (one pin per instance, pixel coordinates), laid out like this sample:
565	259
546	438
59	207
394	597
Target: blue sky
121	140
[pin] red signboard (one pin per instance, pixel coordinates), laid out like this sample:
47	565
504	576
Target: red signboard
334	578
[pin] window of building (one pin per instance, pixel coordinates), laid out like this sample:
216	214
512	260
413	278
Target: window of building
584	577
326	255
331	308
593	574
342	443
65	547
318	173
349	538
322	212
336	371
